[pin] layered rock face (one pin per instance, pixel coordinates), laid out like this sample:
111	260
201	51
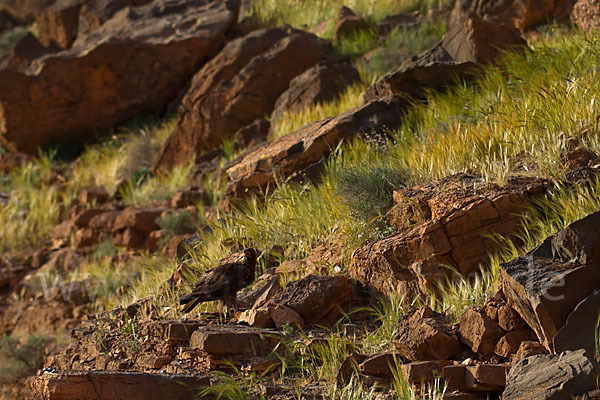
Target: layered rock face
136	62
241	84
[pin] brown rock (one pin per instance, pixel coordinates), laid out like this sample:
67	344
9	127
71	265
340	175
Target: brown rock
586	14
140	219
443	223
546	285
129	238
314	297
509	319
510	343
24	53
282	315
94	196
479	332
423	372
185	198
253	134
580	157
235	340
95	13
530	348
24	11
86	237
520	14
348	23
105	221
257	318
349	367
321	83
152	52
116	386
459	53
425	336
299	150
12	160
486	377
380	364
238	86
581	328
454	376
83	218
57	25
180	331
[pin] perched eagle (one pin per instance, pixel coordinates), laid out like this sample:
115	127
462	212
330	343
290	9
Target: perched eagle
222	282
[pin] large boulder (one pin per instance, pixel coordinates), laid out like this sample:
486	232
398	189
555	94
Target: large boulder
547	376
521	14
238	86
321	83
136	62
459	54
553	286
441	224
308	146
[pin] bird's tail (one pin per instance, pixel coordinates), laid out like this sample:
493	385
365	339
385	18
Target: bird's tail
190	302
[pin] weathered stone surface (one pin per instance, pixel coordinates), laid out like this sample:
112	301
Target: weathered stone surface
509	319
256	318
380	364
459	54
321	83
24	53
24	11
140	219
94	14
479	332
238	86
299	150
57	25
12	160
425	336
136	62
282	315
93	385
530	348
542	377
423	372
486	377
348	23
349	367
521	14
443	223
580	329
235	340
545	285
586	14
510	343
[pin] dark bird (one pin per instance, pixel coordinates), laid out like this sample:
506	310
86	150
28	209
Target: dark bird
222	282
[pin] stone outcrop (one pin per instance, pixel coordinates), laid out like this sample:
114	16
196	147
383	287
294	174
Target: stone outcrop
321	83
479	332
521	14
94	14
425	336
459	54
348	24
57	25
308	146
561	376
238	86
586	14
442	224
116	385
134	63
556	282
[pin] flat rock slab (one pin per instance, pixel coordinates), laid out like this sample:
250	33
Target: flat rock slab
111	385
556	377
233	341
136	62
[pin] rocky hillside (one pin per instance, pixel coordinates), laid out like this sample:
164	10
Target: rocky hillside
420	179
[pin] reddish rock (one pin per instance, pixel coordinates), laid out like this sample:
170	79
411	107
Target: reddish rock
105	221
348	23
86	237
439	224
238	86
545	285
349	367
83	218
299	150
510	343
129	238
459	54
454	376
140	219
586	14
258	318
479	332
521	14
57	25
425	336
509	319
486	377
116	385
179	331
423	372
24	53
577	332
235	340
314	297
253	134
187	198
380	364
319	84
94	196
282	315
24	11
530	348
12	160
580	157
95	13
152	52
